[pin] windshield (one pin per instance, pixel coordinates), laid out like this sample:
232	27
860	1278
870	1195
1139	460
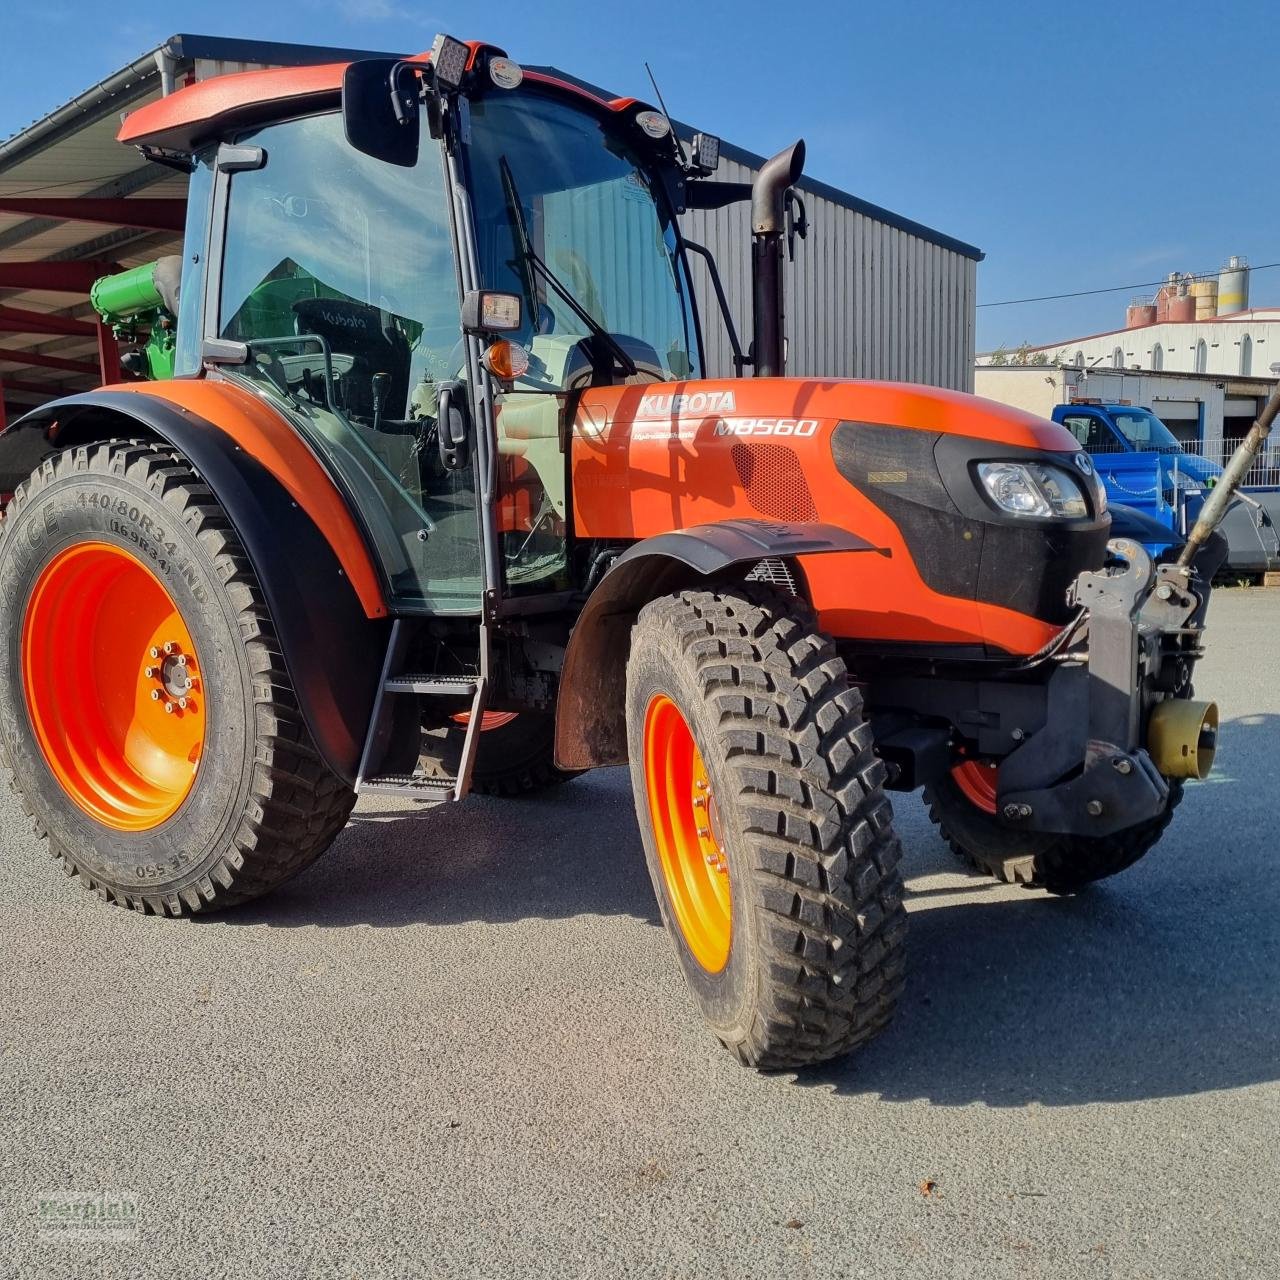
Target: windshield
551	182
1143	429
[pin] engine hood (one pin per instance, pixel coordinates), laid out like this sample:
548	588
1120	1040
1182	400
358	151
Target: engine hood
750	405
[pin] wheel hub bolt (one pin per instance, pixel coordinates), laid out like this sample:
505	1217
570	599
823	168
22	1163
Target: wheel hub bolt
1094	808
1123	765
168	707
182	702
155	653
149	672
700	802
155	695
170	647
704	833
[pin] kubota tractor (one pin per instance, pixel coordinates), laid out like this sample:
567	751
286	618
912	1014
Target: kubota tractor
439	501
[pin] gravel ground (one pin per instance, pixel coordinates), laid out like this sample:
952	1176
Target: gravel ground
460	1045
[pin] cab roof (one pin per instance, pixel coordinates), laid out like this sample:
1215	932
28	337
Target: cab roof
185	119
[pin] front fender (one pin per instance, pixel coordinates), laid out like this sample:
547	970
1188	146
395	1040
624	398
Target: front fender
591	704
320	586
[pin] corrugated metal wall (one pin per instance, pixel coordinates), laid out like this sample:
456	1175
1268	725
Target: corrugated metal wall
864	298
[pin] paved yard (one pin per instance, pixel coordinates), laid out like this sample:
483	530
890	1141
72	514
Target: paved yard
460	1045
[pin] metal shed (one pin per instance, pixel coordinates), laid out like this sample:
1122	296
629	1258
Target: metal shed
871	294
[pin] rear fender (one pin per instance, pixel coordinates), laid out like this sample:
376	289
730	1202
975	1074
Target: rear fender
319	579
591	707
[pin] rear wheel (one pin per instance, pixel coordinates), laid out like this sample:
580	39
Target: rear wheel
963	805
516	754
768	837
147	718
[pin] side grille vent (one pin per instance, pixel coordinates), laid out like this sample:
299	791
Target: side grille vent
773	481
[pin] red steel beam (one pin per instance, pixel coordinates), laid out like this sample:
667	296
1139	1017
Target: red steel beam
108	354
37	360
57	277
15	320
148	214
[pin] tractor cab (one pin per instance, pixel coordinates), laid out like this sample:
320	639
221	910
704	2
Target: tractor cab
337	242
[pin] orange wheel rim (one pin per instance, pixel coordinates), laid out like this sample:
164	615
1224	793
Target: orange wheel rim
488	719
113	686
977	782
686	829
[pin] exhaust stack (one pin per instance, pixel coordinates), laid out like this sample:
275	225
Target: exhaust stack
768	233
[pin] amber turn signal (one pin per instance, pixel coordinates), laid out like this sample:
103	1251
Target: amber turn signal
506	360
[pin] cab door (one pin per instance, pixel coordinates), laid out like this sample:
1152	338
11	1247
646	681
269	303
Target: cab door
337	299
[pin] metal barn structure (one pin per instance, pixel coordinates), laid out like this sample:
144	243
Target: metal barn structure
870	294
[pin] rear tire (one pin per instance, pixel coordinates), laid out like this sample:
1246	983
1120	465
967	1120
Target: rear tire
516	756
767	834
1039	860
257	804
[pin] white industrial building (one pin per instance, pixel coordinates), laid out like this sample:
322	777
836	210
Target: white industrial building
1195	354
870	294
1243	344
1194	324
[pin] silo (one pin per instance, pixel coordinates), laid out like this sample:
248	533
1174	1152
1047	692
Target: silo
1233	285
1163	294
1142	311
1205	292
1182	306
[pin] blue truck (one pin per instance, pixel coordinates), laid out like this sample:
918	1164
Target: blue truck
1144	466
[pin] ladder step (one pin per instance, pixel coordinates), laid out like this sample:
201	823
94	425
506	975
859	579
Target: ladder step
437	790
424	682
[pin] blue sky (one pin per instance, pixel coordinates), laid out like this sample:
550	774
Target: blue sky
1081	146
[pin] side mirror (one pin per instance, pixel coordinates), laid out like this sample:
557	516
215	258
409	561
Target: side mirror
452	426
380	109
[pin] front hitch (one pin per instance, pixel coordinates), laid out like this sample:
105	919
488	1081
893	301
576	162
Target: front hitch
1120	718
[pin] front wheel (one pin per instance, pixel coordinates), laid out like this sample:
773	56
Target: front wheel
767	834
962	804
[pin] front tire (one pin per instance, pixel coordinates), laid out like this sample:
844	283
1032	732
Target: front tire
147	720
962	805
767	834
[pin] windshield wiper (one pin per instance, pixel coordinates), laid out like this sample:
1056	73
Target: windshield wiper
529	258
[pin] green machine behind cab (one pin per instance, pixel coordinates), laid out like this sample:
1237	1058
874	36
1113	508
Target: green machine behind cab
138	304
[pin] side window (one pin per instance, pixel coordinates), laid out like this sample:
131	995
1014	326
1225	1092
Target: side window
1157	357
1117	358
1246	356
195	247
338	274
1092	433
1202	356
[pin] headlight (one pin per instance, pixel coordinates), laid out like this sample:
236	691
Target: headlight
1033	489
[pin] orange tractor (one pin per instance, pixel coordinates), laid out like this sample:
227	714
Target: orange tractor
438	501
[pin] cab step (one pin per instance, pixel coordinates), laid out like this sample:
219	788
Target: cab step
433	790
426	682
395	680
